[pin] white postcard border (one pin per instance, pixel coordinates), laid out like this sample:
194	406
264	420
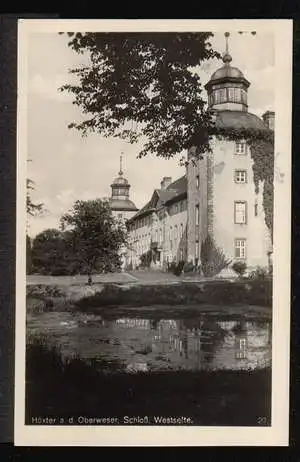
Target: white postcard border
277	434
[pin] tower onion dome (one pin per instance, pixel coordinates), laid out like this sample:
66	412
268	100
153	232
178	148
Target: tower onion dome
227	87
121	182
119	200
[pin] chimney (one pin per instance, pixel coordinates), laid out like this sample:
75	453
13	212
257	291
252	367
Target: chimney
269	119
166	181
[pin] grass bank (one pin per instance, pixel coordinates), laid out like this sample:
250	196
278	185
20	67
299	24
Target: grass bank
218	293
74	388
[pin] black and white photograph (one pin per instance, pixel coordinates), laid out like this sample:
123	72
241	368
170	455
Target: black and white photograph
154	164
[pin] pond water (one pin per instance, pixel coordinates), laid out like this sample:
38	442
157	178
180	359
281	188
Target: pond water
137	342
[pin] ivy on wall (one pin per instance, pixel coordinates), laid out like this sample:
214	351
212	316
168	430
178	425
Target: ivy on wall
261	144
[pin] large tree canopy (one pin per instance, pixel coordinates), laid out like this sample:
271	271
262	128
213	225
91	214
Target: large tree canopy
97	238
143	85
51	253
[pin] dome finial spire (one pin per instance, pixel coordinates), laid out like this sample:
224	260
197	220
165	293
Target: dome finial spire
227	58
121	158
226	39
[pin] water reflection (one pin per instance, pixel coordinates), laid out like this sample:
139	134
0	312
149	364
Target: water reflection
140	344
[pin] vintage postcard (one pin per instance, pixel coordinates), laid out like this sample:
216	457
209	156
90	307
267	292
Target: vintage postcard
153	232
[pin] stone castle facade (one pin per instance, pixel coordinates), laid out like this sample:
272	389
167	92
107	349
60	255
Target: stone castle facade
216	196
161	226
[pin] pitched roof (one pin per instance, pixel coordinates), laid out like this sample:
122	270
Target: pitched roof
179	185
175	190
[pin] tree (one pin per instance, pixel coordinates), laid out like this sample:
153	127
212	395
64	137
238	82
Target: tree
51	253
31	207
143	85
28	255
213	259
239	267
97	238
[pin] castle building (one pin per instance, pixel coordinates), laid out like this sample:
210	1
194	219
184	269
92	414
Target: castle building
221	194
215	197
160	226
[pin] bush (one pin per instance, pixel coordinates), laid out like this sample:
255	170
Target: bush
213	259
239	267
172	267
178	269
129	267
188	267
146	259
258	274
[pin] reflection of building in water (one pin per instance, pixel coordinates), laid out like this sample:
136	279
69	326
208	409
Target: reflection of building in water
227	325
195	343
134	322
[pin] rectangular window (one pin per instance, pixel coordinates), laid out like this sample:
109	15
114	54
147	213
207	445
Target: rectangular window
231	94
181	254
197	181
175	232
181	230
240	148
223	95
240	212
244	96
197	215
197	250
255	208
217	96
237	95
240	176
240	248
160	236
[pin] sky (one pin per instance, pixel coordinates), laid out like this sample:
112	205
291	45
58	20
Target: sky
66	167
